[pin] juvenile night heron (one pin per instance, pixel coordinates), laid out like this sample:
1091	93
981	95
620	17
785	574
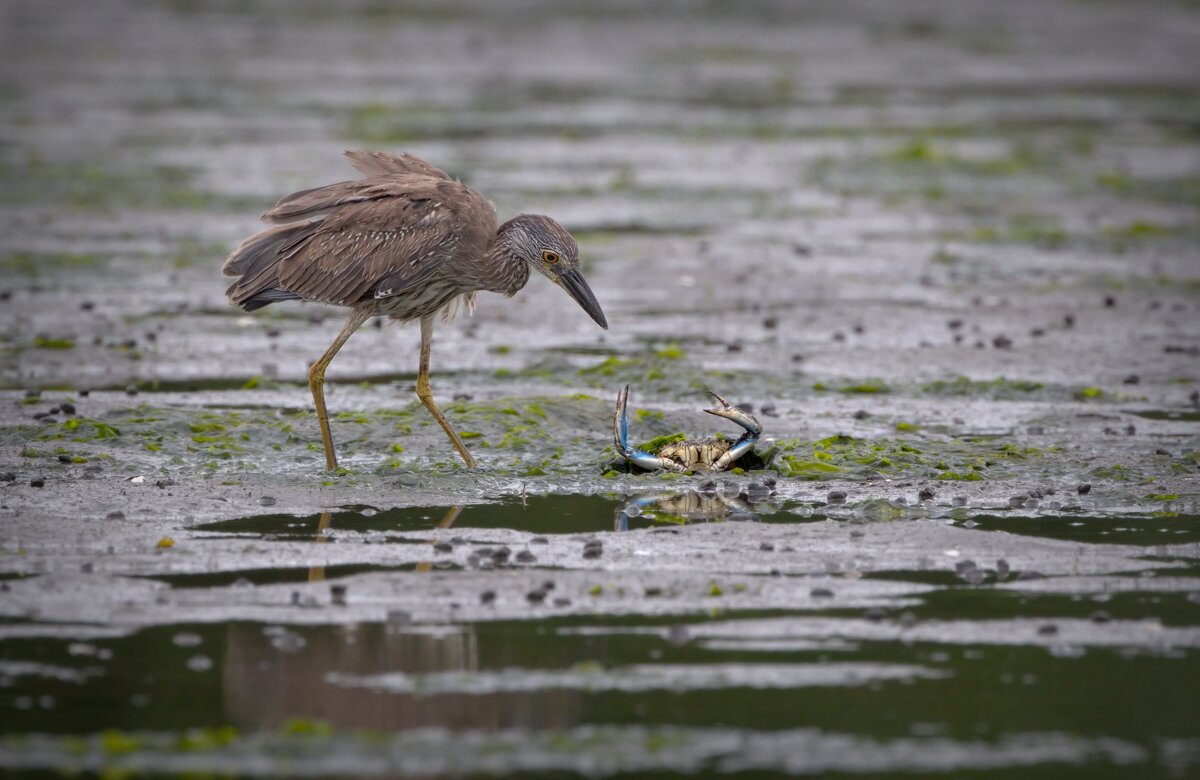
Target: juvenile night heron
406	242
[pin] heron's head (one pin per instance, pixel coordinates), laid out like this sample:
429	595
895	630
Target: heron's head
548	247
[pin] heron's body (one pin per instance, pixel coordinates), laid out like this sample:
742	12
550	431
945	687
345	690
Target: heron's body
406	242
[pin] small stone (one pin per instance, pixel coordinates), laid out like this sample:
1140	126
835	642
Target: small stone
539	540
1161	451
1002	342
561	602
526	557
115	515
37	482
767	547
64	458
8	476
443	547
487	597
1083	489
1110	301
84	393
337	594
67	408
1100	616
926	494
653	592
399	617
535	596
821	593
770	323
131	390
875	614
1132	379
1047	630
1030	575
1016	502
836	496
267	501
861	414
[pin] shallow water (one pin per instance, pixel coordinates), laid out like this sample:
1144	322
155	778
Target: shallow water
948	254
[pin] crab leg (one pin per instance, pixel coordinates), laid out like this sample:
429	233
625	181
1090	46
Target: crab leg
743	418
637	457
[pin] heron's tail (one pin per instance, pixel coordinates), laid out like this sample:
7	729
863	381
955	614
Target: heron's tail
256	264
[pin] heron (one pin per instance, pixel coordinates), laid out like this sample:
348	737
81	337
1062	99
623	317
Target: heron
406	241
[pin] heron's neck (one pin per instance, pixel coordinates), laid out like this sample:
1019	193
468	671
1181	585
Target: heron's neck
506	272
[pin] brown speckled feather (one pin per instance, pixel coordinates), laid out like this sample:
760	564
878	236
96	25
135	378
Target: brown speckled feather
407	224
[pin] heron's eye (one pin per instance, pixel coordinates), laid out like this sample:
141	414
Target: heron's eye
550	256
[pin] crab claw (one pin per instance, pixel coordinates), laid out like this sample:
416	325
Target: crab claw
637	457
743	418
732	413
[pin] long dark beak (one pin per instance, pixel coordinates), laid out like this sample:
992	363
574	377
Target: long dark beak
577	288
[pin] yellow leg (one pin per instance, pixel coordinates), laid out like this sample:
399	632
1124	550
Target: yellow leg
317	573
316	379
426	395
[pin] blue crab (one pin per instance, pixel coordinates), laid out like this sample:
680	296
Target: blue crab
715	454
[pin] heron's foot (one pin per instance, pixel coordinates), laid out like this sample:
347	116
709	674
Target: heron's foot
634	455
743	418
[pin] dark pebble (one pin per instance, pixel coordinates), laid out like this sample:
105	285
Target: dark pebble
861	414
767	547
67	407
1161	451
1069	321
653	592
771	323
1016	502
37	482
131	390
708	488
84	393
1037	333
1048	630
501	554
562	602
756	491
443	547
836	496
8	476
1002	342
592	552
926	494
964	566
535	596
770	483
1030	575
1083	489
821	593
87	568
1130	430
954	324
1110	301
337	594
115	515
267	501
875	614
487	597
733	347
1132	379
64	458
1100	616
526	557
539	540
41	415
548	585
768	410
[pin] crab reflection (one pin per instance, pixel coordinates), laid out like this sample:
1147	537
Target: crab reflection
682	507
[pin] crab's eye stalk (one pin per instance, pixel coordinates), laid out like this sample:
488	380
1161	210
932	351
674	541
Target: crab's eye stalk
550	256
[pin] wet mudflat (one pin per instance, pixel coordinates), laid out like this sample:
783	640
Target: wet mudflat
948	254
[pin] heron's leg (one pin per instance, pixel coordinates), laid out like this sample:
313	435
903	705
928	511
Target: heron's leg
426	395
316	379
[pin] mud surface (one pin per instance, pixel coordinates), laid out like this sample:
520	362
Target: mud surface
946	252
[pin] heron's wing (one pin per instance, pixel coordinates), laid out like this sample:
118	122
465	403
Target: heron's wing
380	163
381	246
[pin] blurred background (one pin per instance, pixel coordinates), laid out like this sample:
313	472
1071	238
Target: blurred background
948	251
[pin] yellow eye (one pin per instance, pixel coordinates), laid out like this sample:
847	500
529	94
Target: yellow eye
550	256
